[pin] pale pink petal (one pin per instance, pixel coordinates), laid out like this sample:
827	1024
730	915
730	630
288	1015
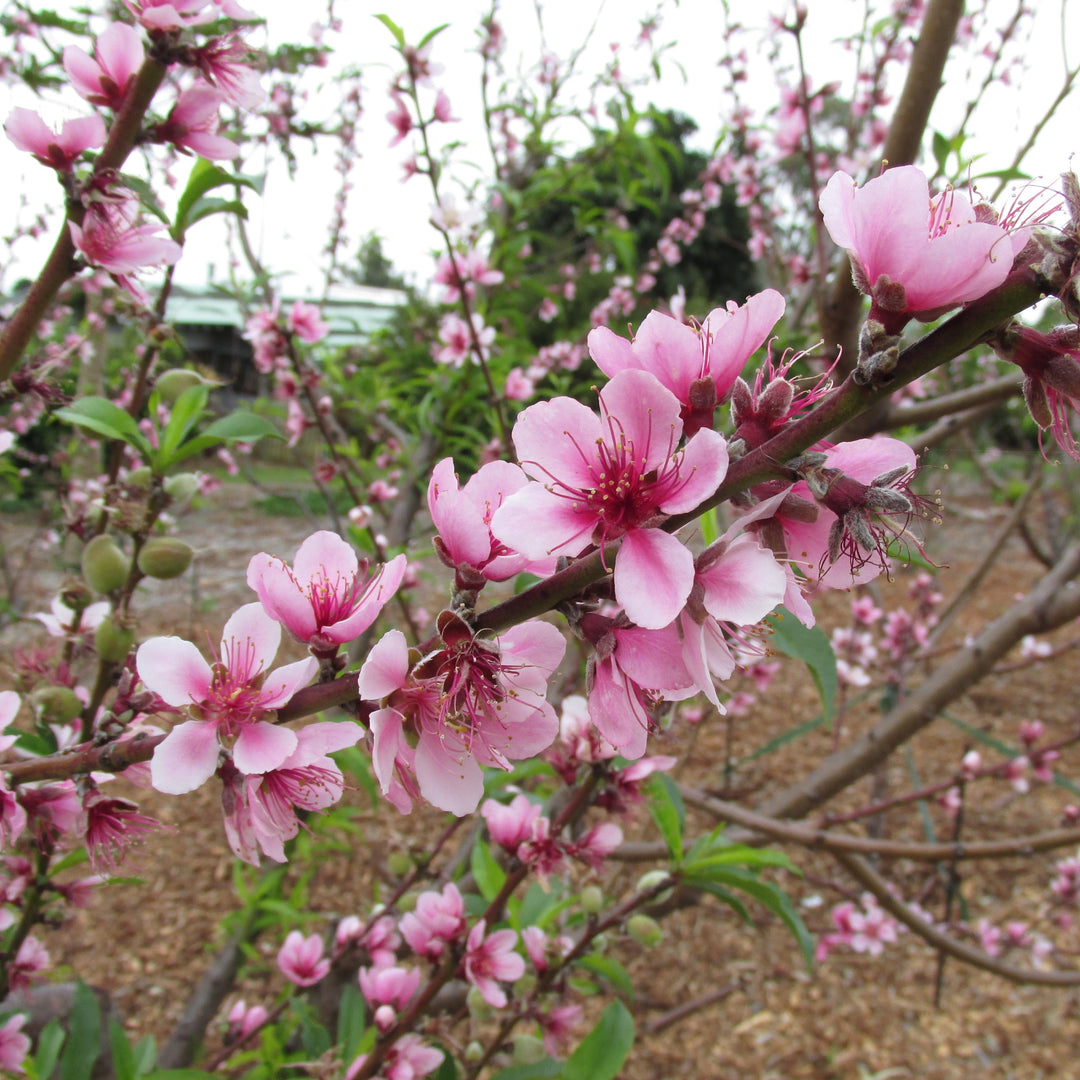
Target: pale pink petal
616	711
652	658
452	782
322	738
561	433
744	584
174	670
325	555
379	591
703	467
538	523
737	335
865	459
635	403
280	594
283	682
385	668
611	352
249	641
387	740
186	758
262	746
654	573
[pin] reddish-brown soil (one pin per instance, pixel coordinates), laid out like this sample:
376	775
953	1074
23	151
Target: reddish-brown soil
855	1017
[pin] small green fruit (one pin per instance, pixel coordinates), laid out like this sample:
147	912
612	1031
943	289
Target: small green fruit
645	930
113	642
478	1008
399	863
592	899
57	704
182	486
528	1050
104	566
165	558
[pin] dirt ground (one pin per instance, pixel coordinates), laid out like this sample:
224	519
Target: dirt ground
855	1018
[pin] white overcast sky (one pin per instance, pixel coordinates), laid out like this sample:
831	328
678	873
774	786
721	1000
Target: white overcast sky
289	225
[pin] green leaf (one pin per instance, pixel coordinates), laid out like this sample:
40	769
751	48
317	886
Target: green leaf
122	1055
447	1070
352	1020
940	149
145	1055
204	177
538	1070
668	811
83	1046
399	34
430	35
810	645
782	740
104	418
236	427
50	1041
610	970
206	207
603	1051
183	417
776	900
738	855
489	875
710	527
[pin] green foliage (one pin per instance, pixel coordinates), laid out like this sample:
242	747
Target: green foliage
811	645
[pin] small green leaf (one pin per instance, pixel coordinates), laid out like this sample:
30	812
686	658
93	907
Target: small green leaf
668	811
539	1070
204	177
50	1041
122	1055
236	427
431	34
610	970
145	1055
811	645
352	1020
399	34
603	1051
489	875
183	417
101	416
83	1046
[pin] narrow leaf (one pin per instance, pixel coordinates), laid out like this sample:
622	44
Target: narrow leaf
603	1051
811	645
668	811
101	416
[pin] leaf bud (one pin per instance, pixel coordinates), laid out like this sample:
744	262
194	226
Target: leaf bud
645	930
113	640
164	558
58	704
105	567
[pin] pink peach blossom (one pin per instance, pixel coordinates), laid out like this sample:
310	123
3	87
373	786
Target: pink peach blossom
58	150
192	124
911	253
231	698
106	78
599	479
301	959
327	595
491	960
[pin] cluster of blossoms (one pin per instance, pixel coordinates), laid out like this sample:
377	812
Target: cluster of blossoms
106	230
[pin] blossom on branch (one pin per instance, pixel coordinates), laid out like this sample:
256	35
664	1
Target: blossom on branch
912	254
599	479
106	78
59	150
229	701
326	597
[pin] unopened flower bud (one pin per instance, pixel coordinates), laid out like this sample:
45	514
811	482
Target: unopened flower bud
528	1050
164	558
113	641
58	704
104	566
592	899
645	930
